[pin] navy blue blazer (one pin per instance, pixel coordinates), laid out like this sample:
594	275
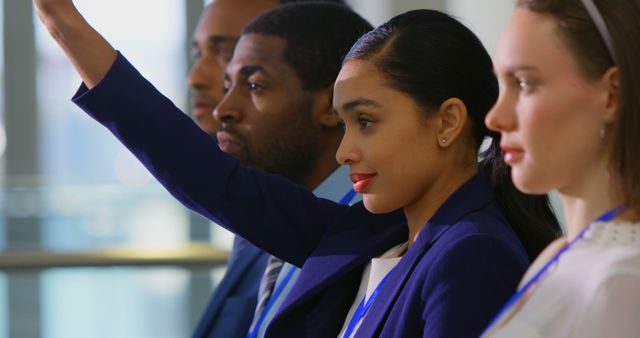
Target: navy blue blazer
230	310
463	266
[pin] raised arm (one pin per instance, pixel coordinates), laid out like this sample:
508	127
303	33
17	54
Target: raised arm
268	210
90	53
257	207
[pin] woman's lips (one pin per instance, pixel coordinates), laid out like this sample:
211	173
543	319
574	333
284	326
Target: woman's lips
512	155
361	181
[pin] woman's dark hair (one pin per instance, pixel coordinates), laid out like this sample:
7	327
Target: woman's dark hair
576	28
431	57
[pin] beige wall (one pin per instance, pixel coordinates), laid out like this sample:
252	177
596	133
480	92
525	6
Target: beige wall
485	17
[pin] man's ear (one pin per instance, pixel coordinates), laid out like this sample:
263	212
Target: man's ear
322	108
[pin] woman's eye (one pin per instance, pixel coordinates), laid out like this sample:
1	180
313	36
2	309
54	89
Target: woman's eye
364	122
525	85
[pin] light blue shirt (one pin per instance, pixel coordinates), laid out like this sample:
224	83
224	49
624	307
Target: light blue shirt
334	188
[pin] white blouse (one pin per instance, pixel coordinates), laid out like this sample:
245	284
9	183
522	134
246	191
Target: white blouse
592	291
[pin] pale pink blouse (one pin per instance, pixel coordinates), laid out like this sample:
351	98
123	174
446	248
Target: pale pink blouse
592	292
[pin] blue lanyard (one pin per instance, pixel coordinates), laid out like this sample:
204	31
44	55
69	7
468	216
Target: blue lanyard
346	199
272	299
254	333
363	307
606	217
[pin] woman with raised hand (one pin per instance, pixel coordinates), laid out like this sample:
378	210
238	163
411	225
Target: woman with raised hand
432	252
569	116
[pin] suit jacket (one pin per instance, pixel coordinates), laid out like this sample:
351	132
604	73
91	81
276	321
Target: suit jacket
464	265
336	187
230	310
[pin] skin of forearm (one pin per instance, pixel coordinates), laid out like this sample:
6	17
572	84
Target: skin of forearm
88	51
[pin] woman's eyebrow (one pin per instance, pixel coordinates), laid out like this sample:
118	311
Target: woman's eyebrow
350	105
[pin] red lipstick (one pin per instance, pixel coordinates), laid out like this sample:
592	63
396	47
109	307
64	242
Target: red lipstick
361	181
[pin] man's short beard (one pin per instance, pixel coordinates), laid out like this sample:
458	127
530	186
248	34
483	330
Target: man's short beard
292	153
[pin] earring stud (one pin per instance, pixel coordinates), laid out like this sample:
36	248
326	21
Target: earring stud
444	141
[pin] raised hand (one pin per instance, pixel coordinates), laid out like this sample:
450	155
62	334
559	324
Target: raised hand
50	8
90	53
52	5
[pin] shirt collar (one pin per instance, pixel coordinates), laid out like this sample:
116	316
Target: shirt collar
336	185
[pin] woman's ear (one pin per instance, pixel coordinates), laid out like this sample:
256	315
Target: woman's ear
611	82
452	117
322	108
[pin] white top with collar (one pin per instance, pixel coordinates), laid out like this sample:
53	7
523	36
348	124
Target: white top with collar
593	291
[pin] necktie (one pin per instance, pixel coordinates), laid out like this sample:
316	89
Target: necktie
267	283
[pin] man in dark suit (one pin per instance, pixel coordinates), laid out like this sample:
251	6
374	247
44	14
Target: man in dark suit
280	143
230	310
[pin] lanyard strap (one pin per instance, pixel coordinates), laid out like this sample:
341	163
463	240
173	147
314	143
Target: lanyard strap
254	333
346	199
272	299
363	307
606	217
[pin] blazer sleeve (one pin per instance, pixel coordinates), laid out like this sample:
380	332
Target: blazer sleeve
268	210
469	283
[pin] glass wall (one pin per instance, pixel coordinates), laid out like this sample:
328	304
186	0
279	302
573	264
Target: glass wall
94	193
3	143
84	191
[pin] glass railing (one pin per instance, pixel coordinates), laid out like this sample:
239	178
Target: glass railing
103	260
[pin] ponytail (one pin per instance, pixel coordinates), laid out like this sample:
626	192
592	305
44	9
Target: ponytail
530	216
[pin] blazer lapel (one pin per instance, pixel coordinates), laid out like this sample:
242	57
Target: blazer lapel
344	252
473	195
383	303
340	256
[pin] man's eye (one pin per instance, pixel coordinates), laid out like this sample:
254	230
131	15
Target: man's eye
226	86
224	56
255	87
195	53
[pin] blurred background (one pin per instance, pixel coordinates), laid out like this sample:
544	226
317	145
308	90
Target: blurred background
90	244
